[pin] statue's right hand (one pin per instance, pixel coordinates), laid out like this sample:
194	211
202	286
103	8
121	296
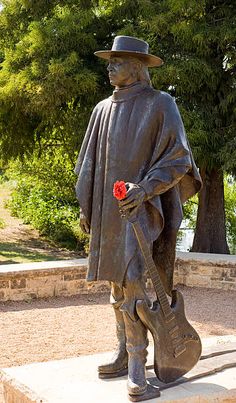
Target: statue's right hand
84	225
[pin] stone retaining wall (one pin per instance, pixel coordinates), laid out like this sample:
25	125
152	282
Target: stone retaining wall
206	270
65	278
27	281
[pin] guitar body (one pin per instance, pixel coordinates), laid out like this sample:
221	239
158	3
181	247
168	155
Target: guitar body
177	346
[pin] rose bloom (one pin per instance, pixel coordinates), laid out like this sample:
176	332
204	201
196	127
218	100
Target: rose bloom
119	190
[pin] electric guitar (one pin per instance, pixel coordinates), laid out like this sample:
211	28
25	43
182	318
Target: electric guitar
177	346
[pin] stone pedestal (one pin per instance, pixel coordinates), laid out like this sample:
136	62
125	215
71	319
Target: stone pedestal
75	380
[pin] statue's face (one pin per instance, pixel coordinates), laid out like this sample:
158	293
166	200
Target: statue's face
122	71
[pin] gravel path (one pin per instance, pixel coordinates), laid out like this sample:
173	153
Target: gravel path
58	328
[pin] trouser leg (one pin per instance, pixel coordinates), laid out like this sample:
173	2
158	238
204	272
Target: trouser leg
119	362
131	333
136	333
136	344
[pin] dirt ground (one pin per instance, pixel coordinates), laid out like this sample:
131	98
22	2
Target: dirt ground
59	328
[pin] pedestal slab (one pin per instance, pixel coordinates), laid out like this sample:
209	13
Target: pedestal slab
75	380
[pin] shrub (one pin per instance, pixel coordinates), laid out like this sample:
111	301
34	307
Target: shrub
47	206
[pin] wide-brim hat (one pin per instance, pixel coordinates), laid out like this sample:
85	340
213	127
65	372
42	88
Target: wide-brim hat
130	46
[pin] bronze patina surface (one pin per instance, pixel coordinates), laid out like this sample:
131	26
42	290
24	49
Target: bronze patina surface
136	135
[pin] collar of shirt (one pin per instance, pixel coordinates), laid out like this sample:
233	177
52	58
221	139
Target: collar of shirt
125	93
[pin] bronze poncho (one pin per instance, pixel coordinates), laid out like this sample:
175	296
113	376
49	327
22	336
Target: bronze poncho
136	135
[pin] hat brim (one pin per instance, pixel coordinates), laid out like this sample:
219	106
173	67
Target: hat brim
148	59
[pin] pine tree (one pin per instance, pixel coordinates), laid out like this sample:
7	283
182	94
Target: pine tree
48	82
200	68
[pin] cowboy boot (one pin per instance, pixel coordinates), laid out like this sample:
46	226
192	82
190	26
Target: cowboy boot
118	366
136	345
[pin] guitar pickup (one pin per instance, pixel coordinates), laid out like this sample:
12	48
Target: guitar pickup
179	350
173	330
169	317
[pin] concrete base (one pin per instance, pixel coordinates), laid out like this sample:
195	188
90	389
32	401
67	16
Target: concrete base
75	381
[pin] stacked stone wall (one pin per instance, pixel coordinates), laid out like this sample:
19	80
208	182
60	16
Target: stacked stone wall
47	279
206	270
65	278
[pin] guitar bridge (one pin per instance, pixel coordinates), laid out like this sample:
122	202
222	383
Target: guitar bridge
174	330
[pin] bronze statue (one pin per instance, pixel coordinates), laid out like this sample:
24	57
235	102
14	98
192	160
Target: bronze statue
136	135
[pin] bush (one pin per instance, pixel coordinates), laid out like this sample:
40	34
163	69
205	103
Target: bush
47	205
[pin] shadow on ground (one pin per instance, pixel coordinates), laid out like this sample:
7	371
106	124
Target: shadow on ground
15	253
56	302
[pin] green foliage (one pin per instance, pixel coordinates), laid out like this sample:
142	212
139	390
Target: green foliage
2	174
196	39
190	211
230	211
200	70
44	198
48	86
197	42
47	72
50	81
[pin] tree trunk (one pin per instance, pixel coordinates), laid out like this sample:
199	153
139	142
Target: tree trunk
210	232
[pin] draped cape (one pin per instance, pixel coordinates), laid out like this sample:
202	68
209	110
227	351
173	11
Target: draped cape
136	135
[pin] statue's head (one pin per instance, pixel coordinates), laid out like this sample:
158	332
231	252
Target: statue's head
126	70
128	61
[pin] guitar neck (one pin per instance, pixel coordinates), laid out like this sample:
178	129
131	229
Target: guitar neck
153	272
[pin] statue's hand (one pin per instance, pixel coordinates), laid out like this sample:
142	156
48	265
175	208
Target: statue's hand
84	225
134	198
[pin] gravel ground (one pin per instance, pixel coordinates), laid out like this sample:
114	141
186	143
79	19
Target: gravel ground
58	328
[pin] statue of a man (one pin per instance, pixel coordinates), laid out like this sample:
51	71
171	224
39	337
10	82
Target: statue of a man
137	136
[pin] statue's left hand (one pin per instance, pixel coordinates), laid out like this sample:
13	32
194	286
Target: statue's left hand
134	198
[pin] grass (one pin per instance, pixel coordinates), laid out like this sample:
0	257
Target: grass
14	253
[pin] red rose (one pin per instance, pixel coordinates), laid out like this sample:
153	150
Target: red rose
119	190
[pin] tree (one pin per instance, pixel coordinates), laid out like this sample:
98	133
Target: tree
205	36
48	86
197	42
48	81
